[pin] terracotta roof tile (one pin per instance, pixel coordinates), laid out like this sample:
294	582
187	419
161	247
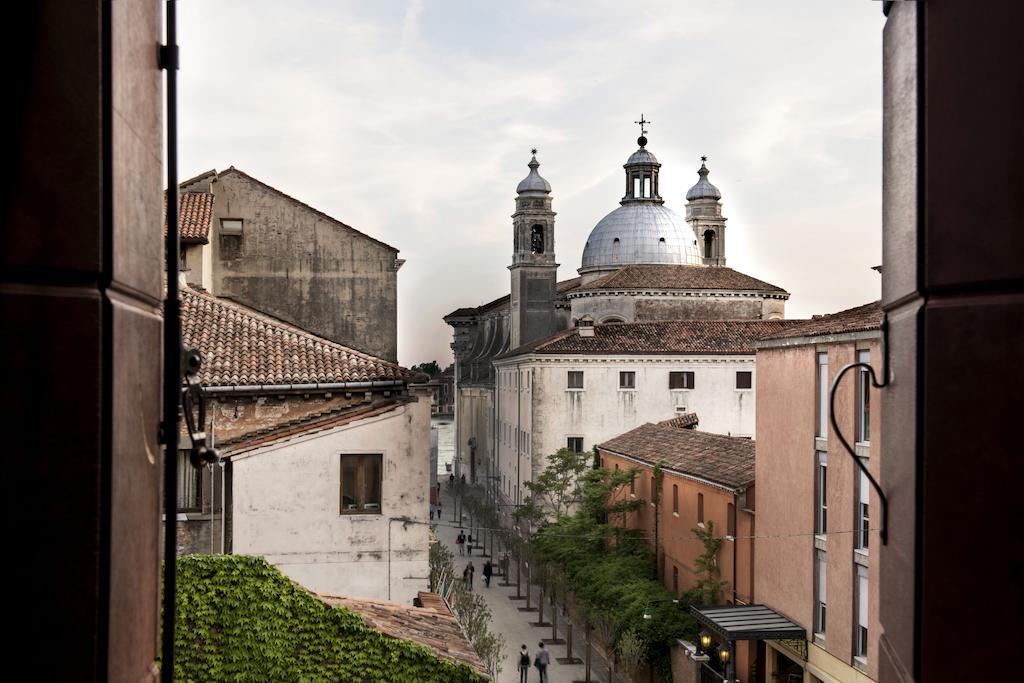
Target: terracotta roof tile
684	421
679	277
240	346
195	213
859	319
724	460
664	337
439	632
562	287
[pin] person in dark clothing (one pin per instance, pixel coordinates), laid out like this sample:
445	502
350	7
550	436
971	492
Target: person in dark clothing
451	481
460	541
524	663
469	544
488	570
472	570
541	661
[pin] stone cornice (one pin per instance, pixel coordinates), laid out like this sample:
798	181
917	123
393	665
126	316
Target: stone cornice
746	293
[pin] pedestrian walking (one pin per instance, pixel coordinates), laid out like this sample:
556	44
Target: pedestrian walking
469	544
451	481
460	541
463	479
465	578
541	661
472	570
488	570
524	663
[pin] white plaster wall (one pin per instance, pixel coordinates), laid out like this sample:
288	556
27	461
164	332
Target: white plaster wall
601	410
515	412
286	507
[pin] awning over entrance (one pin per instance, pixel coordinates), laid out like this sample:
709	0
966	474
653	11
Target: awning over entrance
747	622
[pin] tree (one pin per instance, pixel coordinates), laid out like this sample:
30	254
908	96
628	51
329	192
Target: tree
632	651
558	487
709	584
431	368
607	625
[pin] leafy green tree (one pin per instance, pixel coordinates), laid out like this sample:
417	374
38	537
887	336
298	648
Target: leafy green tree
431	368
632	651
558	488
709	584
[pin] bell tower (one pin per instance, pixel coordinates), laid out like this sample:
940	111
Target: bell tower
704	214
533	269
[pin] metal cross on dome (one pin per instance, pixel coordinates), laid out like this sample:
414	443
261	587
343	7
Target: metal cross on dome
642	122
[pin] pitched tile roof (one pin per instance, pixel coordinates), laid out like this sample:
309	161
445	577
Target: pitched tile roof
679	277
434	630
241	346
724	460
561	288
664	337
684	421
195	213
859	319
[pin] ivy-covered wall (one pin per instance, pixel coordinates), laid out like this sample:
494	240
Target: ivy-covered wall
240	619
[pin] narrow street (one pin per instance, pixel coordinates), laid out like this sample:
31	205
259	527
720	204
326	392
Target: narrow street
513	624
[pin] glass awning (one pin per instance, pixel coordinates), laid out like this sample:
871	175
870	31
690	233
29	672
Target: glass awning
747	622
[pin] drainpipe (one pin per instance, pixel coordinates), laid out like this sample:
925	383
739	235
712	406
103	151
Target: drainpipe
735	534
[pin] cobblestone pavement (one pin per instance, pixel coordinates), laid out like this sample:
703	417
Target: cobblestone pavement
509	621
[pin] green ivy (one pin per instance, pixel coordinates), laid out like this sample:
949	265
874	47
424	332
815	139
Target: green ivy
240	619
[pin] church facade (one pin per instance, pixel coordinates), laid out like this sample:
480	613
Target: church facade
644	272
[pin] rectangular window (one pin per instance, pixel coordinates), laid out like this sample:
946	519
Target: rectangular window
647	186
189	483
744	379
860	647
675	498
700	508
821	379
863	399
627	380
731	523
819	592
863	518
574	379
821	492
361	477
680	380
675	579
636	187
231	226
574	444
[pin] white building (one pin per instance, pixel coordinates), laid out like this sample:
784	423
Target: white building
583	386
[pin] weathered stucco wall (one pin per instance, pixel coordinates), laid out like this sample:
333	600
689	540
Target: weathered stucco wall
697	305
286	507
298	265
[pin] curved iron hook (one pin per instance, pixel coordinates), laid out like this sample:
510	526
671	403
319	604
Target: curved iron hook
884	530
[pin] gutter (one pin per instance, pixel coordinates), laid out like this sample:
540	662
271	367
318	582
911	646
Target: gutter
327	386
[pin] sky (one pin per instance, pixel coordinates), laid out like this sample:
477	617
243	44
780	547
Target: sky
413	122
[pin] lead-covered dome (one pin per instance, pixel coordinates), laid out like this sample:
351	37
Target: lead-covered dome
703	189
641	233
533	182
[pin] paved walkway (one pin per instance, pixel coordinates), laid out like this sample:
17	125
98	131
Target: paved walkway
510	622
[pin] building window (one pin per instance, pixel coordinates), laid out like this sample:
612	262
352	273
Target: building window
627	380
675	498
230	237
744	379
863	399
574	444
361	483
189	483
680	380
537	239
700	508
860	646
863	517
675	579
574	379
821	493
821	379
731	522
819	592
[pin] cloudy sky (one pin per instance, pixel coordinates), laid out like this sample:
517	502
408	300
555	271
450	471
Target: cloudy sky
412	121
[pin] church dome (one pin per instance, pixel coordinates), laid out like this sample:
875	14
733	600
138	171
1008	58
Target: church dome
703	189
533	182
641	233
642	156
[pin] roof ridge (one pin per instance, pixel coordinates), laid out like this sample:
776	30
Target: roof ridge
232	169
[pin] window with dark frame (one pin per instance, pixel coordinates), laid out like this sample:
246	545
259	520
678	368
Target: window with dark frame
744	379
860	647
675	498
819	592
627	380
700	508
574	379
574	444
821	391
675	579
361	479
863	517
190	484
863	399
731	521
820	492
680	380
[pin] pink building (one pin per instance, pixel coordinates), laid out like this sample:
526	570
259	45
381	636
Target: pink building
817	514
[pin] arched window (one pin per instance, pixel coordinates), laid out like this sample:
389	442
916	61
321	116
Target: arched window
537	239
709	243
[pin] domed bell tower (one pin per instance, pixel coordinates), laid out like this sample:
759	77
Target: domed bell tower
534	271
704	214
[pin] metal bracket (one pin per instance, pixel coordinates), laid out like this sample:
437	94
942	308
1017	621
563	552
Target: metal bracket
884	530
167	57
193	406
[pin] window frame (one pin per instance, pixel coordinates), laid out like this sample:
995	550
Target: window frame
361	459
570	439
820	493
749	374
862	606
632	380
569	375
687	377
862	512
863	417
821	395
700	509
820	593
675	499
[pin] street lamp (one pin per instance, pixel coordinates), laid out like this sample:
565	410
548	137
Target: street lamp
723	655
705	642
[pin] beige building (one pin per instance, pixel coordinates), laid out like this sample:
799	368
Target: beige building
817	515
247	241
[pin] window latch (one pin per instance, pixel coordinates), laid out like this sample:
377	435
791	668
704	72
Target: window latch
193	406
